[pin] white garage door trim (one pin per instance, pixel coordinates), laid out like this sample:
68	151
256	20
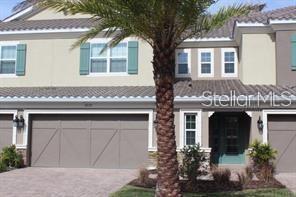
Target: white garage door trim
273	112
27	114
14	113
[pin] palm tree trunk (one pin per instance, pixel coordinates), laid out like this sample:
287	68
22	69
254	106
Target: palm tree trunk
167	163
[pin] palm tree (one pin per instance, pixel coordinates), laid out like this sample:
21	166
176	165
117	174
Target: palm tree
164	24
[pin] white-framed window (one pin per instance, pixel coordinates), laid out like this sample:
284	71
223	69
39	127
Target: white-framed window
111	61
206	62
229	62
8	59
183	62
190	127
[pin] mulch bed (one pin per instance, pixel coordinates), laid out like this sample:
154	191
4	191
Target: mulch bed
209	186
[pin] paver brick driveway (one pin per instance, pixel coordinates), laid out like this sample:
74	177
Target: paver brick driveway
288	179
60	182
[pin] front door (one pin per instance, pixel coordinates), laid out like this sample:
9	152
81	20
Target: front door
228	139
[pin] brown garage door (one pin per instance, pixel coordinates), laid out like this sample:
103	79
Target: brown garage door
5	130
96	141
282	137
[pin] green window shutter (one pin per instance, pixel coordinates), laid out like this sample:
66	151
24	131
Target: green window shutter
21	59
133	57
84	58
293	52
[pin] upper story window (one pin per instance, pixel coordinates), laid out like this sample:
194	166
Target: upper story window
206	63
112	60
229	62
8	59
183	62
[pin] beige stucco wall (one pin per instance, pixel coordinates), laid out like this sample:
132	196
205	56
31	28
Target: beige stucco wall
50	62
51	14
205	130
255	133
217	65
258	65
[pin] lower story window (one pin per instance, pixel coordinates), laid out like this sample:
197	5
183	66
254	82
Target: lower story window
190	129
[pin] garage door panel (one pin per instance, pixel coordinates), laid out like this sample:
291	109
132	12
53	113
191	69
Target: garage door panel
282	137
74	124
133	144
45	147
5	130
134	122
105	149
98	141
75	148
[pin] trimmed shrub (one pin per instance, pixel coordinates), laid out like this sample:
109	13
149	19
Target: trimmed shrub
143	176
249	172
192	160
221	176
263	156
3	167
10	157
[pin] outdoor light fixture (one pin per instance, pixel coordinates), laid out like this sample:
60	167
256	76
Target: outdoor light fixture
15	121
19	122
260	124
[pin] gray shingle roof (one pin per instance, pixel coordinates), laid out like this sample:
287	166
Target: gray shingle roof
224	31
46	24
286	13
183	89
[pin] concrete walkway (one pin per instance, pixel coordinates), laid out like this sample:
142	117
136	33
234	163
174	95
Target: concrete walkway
59	182
287	179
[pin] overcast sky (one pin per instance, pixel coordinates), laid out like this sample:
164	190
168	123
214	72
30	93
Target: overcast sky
7	5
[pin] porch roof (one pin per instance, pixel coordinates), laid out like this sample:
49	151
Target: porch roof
184	90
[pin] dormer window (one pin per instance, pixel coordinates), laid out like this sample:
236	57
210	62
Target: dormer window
183	63
8	60
112	60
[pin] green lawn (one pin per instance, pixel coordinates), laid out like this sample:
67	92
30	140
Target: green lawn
130	191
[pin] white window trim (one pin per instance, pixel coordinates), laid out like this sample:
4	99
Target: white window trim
182	134
188	51
265	120
29	112
200	74
9	43
108	58
235	74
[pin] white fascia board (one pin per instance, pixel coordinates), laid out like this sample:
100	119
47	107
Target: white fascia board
131	99
278	21
42	31
250	24
222	39
16	15
54	99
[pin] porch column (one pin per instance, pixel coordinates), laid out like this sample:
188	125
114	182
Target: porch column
205	130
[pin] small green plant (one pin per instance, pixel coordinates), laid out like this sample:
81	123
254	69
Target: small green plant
221	176
3	167
262	153
249	172
262	156
242	179
143	175
192	160
10	157
245	176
